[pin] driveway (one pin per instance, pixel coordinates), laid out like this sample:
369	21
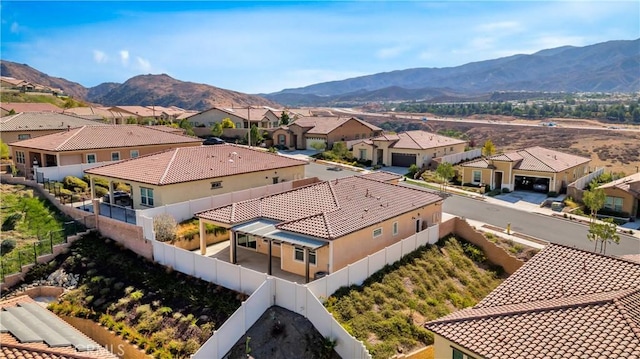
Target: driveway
524	196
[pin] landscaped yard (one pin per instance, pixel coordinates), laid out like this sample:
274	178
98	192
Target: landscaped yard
389	310
166	313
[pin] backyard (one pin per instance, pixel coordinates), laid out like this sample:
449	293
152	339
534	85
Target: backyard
389	310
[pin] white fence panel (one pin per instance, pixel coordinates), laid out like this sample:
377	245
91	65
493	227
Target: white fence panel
221	200
147	226
229	275
408	245
301	299
58	173
318	316
422	237
376	261
199	205
232	330
158	252
434	234
256	305
583	181
184	261
180	211
205	268
319	287
346	345
338	279
285	294
251	280
358	271
209	349
459	157
394	253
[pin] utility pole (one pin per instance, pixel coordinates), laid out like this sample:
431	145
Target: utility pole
249	119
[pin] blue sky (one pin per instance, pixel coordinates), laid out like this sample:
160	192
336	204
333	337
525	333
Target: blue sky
262	47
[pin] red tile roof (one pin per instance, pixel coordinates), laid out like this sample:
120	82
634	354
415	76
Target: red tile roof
382	176
534	159
30	107
36	121
194	163
106	136
563	303
329	209
326	125
136	110
420	140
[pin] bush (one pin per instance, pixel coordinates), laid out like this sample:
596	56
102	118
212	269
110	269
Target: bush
165	227
7	246
10	222
75	184
505	190
377	167
552	194
100	191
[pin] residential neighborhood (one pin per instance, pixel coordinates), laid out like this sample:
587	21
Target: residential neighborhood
319	180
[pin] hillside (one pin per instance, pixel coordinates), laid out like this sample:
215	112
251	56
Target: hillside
605	67
143	90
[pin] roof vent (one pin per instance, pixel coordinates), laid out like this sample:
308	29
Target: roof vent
367	193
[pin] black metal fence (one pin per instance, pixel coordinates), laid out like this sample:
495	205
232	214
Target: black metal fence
13	261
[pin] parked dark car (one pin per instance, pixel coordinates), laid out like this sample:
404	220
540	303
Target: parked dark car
213	141
120	198
541	185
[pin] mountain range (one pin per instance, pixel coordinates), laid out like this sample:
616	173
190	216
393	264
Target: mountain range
612	66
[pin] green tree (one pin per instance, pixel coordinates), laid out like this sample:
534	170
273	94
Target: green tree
594	200
284	119
413	169
489	148
603	232
217	129
341	151
12	112
187	127
227	123
445	172
4	151
255	136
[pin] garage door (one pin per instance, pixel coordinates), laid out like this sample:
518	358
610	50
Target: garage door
403	159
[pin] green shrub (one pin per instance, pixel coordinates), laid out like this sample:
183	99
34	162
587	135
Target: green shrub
10	222
377	167
505	190
7	246
552	194
100	191
75	184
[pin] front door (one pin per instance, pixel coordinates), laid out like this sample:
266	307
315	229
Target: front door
497	180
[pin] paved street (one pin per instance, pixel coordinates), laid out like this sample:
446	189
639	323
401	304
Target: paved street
551	229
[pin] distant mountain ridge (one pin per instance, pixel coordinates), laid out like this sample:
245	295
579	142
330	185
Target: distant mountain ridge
143	90
611	66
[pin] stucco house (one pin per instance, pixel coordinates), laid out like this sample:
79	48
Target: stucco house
623	196
304	132
186	173
137	112
93	144
522	168
324	226
23	126
562	303
406	148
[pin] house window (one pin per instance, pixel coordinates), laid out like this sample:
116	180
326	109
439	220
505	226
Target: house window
275	180
312	257
282	139
456	354
217	184
363	153
115	156
477	176
146	196
134	154
434	155
613	203
20	157
91	158
377	232
247	241
395	228
239	125
451	149
298	254
24	136
364	135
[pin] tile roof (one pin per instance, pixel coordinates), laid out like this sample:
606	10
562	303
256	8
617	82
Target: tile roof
194	163
325	125
629	184
137	110
533	159
30	107
94	112
563	303
105	136
11	347
421	140
35	121
328	209
382	176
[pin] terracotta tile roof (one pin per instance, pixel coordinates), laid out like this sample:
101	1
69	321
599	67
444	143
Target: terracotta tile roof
35	121
194	163
135	110
329	209
11	347
387	137
627	184
94	112
534	159
421	140
105	136
30	107
326	125
382	176
564	302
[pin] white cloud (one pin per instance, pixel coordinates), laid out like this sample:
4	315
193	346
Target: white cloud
124	57
500	26
99	56
391	52
15	28
143	64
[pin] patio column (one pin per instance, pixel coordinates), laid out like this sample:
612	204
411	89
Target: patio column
110	191
232	249
203	242
306	264
269	269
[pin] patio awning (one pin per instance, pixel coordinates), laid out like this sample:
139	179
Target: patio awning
266	228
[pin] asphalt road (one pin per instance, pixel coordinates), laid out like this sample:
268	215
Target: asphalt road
551	229
321	171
